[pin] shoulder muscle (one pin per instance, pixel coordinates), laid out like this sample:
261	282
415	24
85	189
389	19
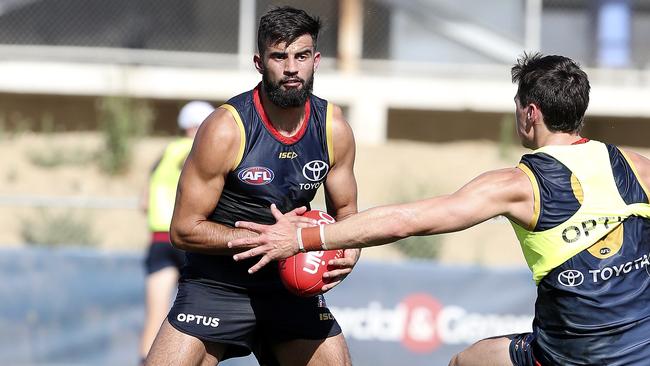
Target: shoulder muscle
641	166
216	145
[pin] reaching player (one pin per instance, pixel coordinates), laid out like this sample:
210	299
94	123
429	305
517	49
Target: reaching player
163	262
277	143
579	208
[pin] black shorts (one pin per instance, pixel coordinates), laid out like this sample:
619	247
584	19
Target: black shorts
162	255
244	318
521	350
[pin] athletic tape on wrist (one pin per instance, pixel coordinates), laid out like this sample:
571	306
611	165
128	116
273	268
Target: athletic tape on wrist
311	238
322	237
301	247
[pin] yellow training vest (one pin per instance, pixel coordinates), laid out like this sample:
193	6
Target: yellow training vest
602	209
163	183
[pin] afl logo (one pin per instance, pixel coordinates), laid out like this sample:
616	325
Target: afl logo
570	278
256	175
315	170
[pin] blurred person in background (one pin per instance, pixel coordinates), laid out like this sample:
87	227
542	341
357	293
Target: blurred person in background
163	262
277	143
580	209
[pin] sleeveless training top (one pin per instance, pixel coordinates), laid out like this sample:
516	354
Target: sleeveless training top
163	183
271	168
588	247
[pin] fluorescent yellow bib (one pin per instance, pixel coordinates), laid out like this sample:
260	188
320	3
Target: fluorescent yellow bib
602	209
163	182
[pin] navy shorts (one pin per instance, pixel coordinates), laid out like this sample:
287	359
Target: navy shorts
245	318
162	254
521	350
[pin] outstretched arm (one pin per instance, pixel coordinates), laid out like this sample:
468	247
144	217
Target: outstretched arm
500	192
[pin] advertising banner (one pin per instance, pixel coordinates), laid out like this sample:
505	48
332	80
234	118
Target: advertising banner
85	307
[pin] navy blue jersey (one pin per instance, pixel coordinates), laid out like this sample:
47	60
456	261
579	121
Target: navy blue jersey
593	308
271	168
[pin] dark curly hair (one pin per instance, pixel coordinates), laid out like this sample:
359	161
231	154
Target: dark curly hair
557	85
286	24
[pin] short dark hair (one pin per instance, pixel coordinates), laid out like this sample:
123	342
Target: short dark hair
286	24
557	85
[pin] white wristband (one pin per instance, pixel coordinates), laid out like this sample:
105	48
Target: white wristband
301	247
322	237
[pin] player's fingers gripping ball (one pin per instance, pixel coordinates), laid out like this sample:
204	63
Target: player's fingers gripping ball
302	274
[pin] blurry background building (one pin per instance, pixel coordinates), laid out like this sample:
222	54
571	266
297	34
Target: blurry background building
407	66
90	91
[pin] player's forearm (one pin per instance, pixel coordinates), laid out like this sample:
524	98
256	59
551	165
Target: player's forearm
207	237
345	213
376	226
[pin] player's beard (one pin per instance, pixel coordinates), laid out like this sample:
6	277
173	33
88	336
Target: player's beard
290	98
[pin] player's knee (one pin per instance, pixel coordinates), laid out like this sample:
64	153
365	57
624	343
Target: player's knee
339	353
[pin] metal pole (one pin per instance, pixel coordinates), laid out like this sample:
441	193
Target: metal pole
533	32
350	35
247	25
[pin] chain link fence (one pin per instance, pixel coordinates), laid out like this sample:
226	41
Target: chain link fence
212	26
434	31
193	25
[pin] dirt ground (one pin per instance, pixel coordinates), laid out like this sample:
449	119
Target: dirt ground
395	172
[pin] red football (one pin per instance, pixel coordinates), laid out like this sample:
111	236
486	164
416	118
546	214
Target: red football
302	274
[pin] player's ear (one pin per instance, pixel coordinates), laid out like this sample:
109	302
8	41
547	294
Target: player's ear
532	113
259	64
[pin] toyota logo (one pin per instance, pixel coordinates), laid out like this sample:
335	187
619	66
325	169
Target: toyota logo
570	278
315	170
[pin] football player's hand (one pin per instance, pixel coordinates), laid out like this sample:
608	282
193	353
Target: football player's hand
339	268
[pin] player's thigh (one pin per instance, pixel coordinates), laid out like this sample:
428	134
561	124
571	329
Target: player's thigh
215	312
303	326
172	347
309	352
487	352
